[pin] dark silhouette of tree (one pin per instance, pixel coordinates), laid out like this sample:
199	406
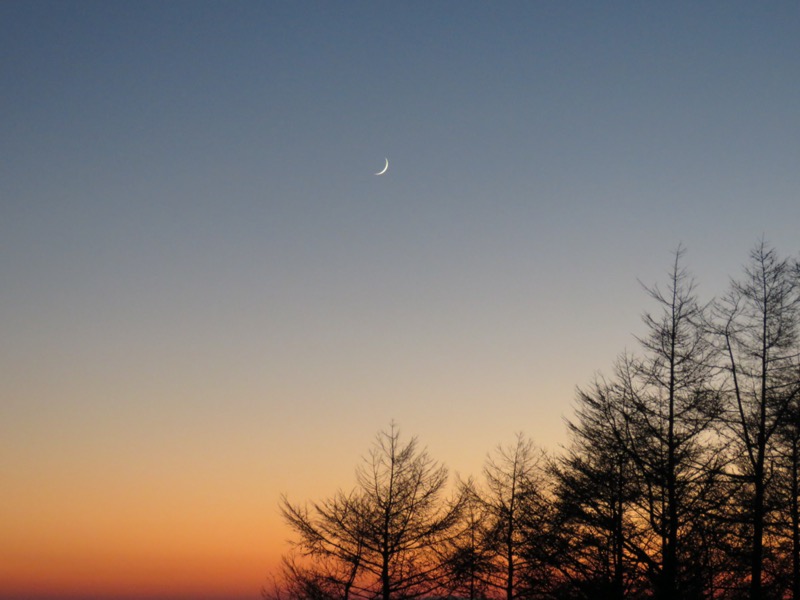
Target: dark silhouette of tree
380	537
595	491
671	409
516	518
468	558
642	473
322	579
757	322
681	478
788	438
788	484
332	534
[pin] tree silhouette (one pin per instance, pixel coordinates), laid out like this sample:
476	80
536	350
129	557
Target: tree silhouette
380	536
788	439
681	478
468	554
640	480
516	518
595	494
671	409
757	322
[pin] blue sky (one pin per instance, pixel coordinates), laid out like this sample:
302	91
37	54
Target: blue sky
199	266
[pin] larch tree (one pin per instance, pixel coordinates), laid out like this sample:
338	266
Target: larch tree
595	492
383	536
672	408
468	555
516	512
757	323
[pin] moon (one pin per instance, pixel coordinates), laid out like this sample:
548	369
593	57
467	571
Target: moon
386	168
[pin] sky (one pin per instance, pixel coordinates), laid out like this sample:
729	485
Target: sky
208	299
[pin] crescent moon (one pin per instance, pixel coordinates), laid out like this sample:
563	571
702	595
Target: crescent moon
386	168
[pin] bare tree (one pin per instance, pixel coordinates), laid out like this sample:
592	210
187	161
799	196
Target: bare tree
330	533
322	579
516	512
595	494
757	322
642	473
788	491
468	555
672	409
380	537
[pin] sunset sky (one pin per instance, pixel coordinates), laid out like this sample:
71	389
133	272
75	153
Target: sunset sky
207	298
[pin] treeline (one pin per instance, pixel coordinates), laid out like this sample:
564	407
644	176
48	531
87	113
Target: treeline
680	479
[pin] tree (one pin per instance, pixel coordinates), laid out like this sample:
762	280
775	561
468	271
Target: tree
595	492
641	476
789	444
468	557
788	482
324	579
332	534
671	410
757	322
516	514
379	538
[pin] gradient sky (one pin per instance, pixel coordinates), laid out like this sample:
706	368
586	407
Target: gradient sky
207	298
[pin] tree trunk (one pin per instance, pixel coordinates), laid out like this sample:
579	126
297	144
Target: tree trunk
670	557
758	536
618	592
795	515
510	566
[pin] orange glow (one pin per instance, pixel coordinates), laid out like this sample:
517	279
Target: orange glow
61	547
161	572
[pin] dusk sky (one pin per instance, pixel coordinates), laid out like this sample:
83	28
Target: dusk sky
207	298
